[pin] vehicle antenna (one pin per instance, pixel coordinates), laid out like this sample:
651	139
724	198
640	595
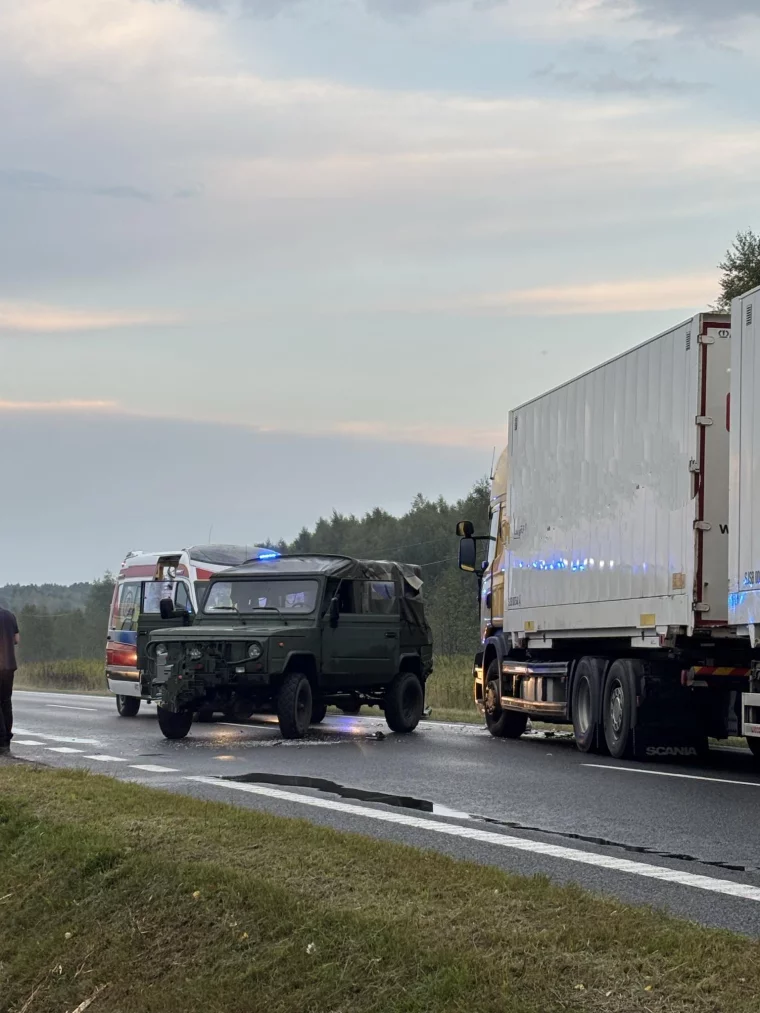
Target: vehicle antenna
211	528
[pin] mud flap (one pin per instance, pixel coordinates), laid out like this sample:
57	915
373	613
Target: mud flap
662	745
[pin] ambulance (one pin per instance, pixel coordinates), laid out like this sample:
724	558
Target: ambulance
145	580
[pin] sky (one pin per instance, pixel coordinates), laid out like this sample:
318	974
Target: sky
263	259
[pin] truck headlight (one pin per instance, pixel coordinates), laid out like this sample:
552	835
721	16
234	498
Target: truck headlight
254	651
194	652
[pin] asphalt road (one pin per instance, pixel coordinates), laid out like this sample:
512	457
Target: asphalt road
680	837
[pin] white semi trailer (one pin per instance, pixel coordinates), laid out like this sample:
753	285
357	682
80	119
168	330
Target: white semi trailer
604	595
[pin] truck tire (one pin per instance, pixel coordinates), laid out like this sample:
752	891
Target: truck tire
240	710
404	702
294	706
128	706
619	707
318	711
173	724
587	688
502	724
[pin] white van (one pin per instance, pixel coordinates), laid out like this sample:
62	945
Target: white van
145	578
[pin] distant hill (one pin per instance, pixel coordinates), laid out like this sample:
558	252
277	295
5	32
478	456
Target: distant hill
51	597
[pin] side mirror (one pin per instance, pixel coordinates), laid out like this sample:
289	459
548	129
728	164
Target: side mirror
465	529
334	611
166	608
468	554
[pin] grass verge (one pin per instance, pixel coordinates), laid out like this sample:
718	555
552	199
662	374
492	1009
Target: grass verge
81	675
149	902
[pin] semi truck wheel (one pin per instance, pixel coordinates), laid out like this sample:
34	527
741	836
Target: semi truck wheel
619	708
502	724
587	686
128	706
174	725
294	706
404	702
318	711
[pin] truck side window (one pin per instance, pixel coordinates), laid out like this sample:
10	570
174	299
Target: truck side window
182	598
346	597
379	597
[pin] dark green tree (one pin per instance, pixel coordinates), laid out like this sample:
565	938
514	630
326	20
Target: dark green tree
740	267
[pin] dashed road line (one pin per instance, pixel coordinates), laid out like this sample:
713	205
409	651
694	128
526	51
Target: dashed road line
57	738
154	768
63	749
26	742
70	707
730	888
105	758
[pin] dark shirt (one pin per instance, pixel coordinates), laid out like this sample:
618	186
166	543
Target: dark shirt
8	631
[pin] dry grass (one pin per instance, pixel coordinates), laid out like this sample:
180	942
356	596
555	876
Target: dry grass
80	675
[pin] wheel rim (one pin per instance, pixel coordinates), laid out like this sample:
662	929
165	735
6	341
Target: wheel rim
492	703
583	706
409	700
617	708
303	705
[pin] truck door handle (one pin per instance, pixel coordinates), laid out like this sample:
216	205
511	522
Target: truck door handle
391	636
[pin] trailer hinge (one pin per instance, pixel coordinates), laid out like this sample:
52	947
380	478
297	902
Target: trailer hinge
706	339
704	420
702	526
701	606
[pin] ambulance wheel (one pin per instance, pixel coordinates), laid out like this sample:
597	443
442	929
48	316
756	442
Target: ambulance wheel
174	725
128	706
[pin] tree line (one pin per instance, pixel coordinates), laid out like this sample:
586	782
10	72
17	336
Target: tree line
58	622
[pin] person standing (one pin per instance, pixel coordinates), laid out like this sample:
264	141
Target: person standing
8	642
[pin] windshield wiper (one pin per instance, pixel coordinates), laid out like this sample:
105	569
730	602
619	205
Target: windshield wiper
267	608
224	608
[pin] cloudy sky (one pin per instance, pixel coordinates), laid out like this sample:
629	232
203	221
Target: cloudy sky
264	258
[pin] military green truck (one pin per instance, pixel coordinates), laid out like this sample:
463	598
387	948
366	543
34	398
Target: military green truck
293	634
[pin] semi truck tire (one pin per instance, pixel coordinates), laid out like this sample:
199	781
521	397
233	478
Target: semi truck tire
128	706
587	689
404	702
294	706
502	724
173	724
318	711
619	707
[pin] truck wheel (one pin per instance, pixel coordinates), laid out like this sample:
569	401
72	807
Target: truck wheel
351	708
502	724
174	725
754	744
318	711
294	706
619	707
240	710
585	704
404	702
128	706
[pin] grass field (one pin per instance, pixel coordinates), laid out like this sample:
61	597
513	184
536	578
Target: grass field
147	902
80	675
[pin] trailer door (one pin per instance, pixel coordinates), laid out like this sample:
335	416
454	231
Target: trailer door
711	534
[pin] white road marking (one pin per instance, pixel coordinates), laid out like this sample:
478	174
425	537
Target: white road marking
63	749
58	738
153	768
667	875
106	758
26	742
667	773
68	707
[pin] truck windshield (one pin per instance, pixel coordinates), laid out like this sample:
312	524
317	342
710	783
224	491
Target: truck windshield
249	596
